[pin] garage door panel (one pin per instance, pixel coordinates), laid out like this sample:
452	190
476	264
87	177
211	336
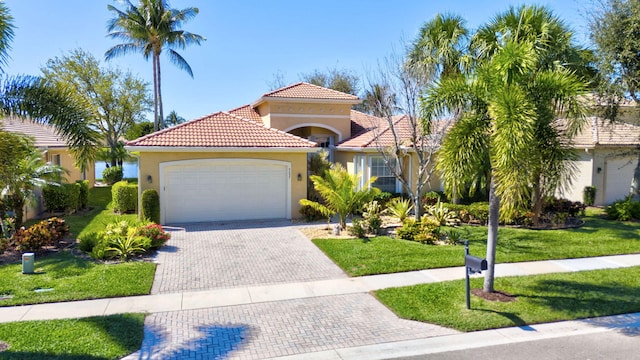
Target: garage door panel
619	173
216	191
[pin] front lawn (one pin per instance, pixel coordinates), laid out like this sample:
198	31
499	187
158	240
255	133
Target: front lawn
102	337
383	254
540	299
73	278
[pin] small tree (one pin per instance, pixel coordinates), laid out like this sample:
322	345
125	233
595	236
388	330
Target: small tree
340	193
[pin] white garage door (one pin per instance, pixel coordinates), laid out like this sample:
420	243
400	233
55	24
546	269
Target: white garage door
223	189
619	173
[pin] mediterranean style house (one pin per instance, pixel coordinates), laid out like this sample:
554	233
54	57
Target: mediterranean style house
251	162
54	150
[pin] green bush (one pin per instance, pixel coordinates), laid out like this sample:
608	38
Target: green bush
479	212
124	197
112	175
150	206
87	242
311	214
400	208
72	192
441	214
426	231
383	198
371	216
623	210
156	235
589	195
357	229
55	198
430	198
84	193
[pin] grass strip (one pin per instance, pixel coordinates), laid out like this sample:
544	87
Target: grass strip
73	278
540	299
100	337
380	255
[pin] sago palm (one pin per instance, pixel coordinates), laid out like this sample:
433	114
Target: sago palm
340	193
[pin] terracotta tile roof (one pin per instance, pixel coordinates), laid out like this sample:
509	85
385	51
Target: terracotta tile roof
601	132
221	130
365	128
44	135
304	90
247	112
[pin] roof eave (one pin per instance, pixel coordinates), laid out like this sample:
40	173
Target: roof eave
304	100
132	148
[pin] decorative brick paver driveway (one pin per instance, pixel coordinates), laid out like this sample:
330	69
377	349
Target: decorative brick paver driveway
215	256
209	256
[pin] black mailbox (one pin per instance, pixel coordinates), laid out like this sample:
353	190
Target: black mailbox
474	263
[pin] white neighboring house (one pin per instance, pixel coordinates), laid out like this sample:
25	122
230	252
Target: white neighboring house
608	155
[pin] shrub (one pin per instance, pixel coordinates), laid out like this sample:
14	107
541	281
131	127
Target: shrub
123	241
427	230
383	198
400	208
479	212
150	206
87	242
357	229
441	214
54	197
112	175
589	195
155	233
84	193
124	197
430	198
371	216
72	193
311	214
623	210
45	233
4	244
570	208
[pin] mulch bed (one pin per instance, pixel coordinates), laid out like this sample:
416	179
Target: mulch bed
12	256
494	296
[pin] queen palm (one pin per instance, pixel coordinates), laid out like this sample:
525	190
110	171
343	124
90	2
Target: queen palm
149	28
503	100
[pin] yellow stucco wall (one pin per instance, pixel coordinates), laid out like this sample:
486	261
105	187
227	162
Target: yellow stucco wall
67	162
346	159
149	164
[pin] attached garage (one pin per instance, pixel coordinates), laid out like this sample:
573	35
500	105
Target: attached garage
224	189
618	176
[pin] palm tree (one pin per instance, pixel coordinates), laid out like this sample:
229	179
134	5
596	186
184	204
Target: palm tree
33	172
33	97
173	119
149	28
341	193
503	100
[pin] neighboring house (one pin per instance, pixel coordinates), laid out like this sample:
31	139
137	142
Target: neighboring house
251	162
607	158
54	150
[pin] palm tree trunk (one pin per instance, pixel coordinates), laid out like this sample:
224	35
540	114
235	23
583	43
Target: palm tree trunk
492	236
156	124
160	112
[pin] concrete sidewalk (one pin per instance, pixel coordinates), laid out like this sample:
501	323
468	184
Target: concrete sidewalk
193	300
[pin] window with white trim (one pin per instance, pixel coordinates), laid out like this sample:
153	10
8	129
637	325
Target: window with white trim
386	181
359	169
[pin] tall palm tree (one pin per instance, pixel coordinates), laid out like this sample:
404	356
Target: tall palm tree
34	98
504	100
149	28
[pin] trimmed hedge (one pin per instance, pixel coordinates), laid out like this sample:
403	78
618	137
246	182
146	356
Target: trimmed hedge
84	193
150	206
65	197
124	197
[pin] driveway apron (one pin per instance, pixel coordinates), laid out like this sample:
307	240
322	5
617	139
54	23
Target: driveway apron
216	255
207	256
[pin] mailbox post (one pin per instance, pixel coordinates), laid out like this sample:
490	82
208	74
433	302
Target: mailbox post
472	265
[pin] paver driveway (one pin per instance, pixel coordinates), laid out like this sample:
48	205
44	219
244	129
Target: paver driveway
207	256
214	256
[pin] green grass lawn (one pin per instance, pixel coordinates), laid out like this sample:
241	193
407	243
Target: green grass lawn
99	216
73	278
540	298
76	278
105	337
383	254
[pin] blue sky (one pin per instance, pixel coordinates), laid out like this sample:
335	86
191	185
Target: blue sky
248	42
